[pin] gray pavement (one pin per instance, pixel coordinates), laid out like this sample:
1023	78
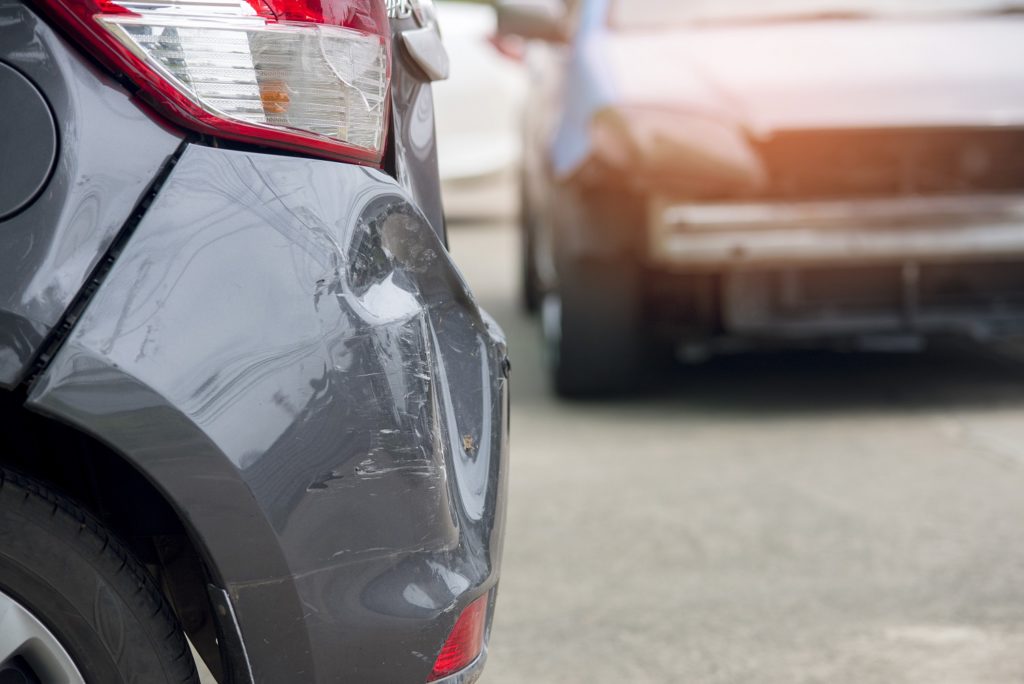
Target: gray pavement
771	518
766	518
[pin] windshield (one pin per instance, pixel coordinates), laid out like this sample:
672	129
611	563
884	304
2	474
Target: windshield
644	14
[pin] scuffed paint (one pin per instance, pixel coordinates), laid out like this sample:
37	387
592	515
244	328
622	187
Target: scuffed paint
286	347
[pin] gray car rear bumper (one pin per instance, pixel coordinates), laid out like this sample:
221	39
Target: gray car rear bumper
286	350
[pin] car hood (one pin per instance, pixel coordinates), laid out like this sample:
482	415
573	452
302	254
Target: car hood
864	74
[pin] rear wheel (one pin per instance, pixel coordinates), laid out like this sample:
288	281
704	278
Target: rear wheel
33	652
593	329
530	289
75	606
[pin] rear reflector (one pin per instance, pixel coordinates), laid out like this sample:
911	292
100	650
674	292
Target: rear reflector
310	75
465	642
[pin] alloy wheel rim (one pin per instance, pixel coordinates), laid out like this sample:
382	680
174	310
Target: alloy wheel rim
29	649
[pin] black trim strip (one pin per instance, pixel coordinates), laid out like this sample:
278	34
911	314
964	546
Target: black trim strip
62	330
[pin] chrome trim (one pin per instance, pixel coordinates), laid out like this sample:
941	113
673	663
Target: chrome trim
869	230
795	245
728	215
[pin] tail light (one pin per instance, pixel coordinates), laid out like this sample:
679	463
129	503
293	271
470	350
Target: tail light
306	75
465	643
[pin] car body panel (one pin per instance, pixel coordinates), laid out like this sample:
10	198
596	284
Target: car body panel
49	248
285	348
764	78
863	74
413	129
29	155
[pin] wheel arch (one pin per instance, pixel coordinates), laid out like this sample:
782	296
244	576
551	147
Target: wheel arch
111	488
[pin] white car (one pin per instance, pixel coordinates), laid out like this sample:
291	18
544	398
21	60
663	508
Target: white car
479	108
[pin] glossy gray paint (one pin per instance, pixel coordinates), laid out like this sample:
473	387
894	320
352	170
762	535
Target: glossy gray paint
413	134
27	157
285	348
110	151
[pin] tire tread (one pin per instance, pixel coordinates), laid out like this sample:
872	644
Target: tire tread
128	578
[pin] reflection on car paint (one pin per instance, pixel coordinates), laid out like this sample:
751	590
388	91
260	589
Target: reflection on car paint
48	250
369	364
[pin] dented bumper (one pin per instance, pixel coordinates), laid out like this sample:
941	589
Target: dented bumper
285	348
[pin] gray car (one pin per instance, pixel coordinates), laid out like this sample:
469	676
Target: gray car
246	396
712	175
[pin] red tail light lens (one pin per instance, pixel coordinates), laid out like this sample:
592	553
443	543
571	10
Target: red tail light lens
464	643
308	75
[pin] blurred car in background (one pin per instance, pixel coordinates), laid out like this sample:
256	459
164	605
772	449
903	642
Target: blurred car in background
247	399
479	106
704	175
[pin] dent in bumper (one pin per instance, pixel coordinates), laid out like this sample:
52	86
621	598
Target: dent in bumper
285	348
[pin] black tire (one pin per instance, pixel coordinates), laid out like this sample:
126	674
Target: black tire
595	336
530	290
92	594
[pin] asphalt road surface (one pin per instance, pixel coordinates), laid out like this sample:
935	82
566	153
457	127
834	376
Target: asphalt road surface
769	518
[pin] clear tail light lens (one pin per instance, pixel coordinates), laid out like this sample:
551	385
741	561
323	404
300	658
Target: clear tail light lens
309	75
